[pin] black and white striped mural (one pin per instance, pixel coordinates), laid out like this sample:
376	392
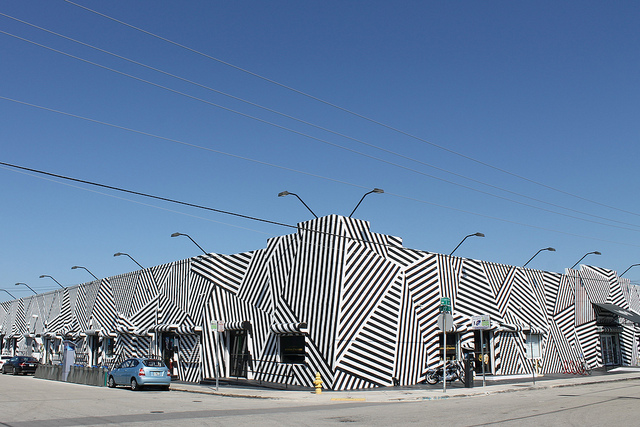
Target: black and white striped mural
333	298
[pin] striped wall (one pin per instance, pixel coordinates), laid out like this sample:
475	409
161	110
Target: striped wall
368	308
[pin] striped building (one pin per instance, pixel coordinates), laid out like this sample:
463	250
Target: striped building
337	299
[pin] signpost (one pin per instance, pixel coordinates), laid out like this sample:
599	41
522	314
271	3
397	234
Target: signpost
481	323
445	324
216	327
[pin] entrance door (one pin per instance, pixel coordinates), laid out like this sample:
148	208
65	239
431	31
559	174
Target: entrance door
610	350
482	346
169	352
238	354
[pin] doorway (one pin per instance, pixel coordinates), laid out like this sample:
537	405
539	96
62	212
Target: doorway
610	349
482	344
238	354
169	352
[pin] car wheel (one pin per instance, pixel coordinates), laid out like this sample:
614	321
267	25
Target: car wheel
15	372
111	383
134	385
4	371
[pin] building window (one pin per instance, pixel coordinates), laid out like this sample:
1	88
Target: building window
534	346
109	344
292	348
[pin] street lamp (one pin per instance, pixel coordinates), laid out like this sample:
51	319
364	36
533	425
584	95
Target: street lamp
375	190
186	235
465	238
545	249
286	193
46	275
122	253
588	253
27	287
84	268
633	265
8	293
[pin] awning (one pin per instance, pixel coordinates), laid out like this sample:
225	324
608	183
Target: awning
289	328
509	327
163	327
609	329
620	311
237	325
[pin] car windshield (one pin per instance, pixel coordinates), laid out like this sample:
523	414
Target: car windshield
153	363
27	359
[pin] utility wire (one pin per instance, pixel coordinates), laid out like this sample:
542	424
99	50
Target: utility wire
311	124
376	122
306	135
319	176
9	165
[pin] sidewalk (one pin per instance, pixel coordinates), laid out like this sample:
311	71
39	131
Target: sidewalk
494	384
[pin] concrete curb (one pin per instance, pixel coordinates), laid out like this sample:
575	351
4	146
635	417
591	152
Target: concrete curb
377	395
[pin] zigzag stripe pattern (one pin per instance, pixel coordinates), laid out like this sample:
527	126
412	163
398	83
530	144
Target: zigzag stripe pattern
370	306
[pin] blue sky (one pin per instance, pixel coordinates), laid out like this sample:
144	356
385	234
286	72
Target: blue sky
515	119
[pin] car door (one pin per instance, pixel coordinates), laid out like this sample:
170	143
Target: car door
133	369
119	372
13	362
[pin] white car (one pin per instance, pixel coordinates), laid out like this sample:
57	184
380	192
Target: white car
3	359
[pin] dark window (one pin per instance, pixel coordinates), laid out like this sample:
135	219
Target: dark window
292	348
109	346
153	363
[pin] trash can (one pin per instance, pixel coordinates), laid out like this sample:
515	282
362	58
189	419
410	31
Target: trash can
468	369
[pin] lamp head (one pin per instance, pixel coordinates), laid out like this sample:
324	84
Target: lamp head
596	253
378	190
479	234
283	193
75	266
118	254
551	249
176	234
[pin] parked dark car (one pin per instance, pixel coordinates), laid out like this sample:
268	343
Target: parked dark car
140	372
20	365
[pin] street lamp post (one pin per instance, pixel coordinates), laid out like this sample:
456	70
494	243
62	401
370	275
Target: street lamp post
122	253
286	193
588	253
10	294
544	249
465	238
20	283
84	268
186	235
375	190
46	275
633	265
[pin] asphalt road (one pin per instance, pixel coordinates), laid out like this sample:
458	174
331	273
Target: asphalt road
26	401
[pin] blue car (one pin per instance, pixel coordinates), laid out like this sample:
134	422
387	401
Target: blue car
140	372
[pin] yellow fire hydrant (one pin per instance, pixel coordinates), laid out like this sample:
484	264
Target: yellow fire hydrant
318	383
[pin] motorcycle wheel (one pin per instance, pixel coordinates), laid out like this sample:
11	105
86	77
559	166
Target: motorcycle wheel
432	378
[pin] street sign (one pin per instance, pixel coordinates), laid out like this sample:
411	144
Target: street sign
217	326
445	305
445	322
480	322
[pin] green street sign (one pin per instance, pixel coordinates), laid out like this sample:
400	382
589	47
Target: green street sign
445	305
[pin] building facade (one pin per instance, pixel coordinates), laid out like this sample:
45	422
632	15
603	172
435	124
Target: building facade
337	299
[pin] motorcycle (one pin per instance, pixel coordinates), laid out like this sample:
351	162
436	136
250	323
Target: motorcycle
455	371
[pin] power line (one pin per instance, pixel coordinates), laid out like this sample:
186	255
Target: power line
249	217
327	178
376	122
305	123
